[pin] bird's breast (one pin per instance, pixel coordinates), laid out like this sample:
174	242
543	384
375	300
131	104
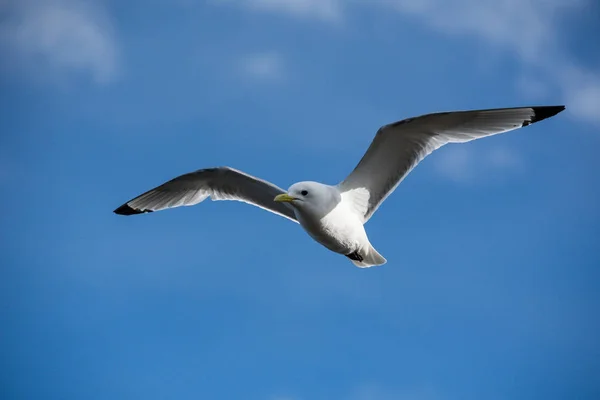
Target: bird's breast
340	230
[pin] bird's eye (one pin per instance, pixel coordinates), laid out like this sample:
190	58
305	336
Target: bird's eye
304	193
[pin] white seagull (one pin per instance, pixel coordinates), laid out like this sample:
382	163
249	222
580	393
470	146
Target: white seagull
334	216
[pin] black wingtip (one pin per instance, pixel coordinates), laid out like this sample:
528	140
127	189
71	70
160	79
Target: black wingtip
544	112
126	210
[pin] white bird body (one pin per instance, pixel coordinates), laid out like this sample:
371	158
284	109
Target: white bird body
338	230
341	229
334	216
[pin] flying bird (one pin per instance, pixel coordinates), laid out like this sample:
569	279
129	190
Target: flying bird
334	216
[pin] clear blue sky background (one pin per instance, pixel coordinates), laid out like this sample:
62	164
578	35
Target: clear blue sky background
491	287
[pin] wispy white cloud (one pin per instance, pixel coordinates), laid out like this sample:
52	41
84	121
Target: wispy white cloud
532	87
530	30
525	27
454	163
582	92
58	36
462	164
264	66
503	157
326	10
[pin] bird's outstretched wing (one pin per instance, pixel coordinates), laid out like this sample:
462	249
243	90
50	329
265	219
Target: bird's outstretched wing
222	183
400	146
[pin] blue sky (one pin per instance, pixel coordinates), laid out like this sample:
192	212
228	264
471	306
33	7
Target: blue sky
490	290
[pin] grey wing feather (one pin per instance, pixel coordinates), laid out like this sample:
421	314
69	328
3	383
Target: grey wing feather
222	183
398	147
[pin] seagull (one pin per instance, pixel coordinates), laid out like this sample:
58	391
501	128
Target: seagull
334	216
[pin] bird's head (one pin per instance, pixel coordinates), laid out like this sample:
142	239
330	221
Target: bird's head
311	198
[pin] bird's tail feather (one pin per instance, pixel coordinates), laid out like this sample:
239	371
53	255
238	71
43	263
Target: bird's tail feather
370	258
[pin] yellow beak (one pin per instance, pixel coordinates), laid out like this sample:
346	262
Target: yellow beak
284	198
